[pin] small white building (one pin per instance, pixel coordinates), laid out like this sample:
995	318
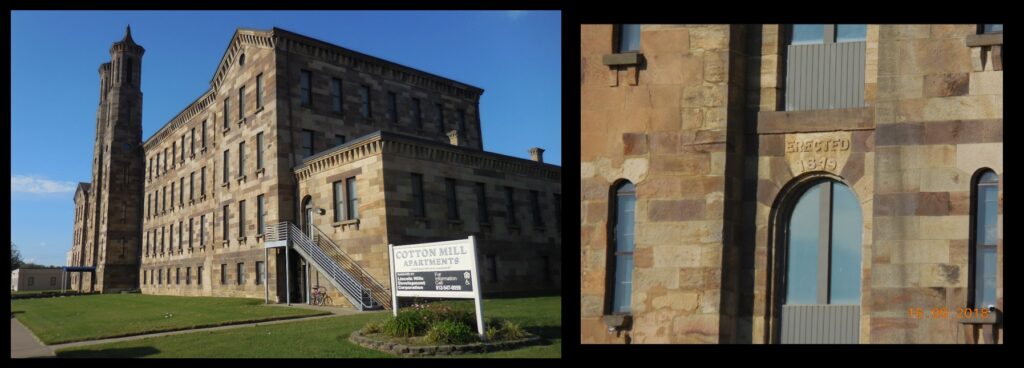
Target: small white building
35	279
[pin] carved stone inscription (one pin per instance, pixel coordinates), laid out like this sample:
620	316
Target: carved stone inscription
817	152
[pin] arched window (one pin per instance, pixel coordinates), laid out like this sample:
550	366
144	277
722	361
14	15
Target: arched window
983	253
129	73
620	249
824	247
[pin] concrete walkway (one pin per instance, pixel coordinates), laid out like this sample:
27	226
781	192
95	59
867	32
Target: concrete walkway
25	345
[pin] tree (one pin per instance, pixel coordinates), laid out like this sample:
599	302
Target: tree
15	257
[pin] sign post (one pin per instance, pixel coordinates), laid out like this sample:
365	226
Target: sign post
445	269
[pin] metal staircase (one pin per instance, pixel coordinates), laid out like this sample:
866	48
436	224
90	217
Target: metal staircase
361	289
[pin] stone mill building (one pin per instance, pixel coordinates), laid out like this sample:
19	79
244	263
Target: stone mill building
296	139
808	183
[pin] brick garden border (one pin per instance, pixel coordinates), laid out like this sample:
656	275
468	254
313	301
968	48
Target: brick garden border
431	350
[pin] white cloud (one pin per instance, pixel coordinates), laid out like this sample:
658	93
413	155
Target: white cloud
30	184
515	14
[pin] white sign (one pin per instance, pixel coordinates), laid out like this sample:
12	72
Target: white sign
445	269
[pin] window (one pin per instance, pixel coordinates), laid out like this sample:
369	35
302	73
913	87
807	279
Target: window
170	243
823	265
453	205
621	260
462	120
510	206
339	202
336	101
808	34
202	182
416	115
241	103
629	38
151	277
202	230
535	204
241	158
188	275
440	116
986	234
192	186
177	276
128	66
241	219
225	223
227	112
353	199
223	273
418	208
492	268
261	272
226	164
393	107
259	91
163	233
181	191
172	195
183	147
259	151
339	140
199	275
149	169
307	143
364	96
305	92
160	280
991	28
241	274
181	239
259	214
145	277
202	139
481	203
241	60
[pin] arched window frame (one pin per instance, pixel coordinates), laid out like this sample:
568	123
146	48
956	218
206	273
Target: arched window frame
976	239
618	189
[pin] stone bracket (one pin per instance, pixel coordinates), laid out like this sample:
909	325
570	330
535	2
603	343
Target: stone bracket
986	51
628	62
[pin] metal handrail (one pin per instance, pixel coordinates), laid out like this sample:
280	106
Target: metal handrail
358	285
377	293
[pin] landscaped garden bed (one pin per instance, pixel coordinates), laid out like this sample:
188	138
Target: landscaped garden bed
439	329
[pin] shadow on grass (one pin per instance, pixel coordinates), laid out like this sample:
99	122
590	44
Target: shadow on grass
547	332
136	352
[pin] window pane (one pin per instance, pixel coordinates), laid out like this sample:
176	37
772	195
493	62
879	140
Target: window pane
808	34
846	247
851	32
988	213
991	28
623	284
985	288
624	223
802	265
629	38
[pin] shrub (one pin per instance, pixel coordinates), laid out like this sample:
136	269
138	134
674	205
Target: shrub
493	333
450	332
511	331
406	324
373	327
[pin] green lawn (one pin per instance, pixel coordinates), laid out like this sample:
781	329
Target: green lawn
89	317
327	338
33	292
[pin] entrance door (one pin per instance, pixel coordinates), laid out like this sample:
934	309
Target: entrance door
822	277
307	216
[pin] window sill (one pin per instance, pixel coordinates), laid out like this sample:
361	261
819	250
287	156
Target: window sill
807	121
202	150
181	162
225	185
986	51
618	322
621	59
347	224
240	121
259	110
241	240
993	318
241	179
224	243
261	171
192	156
191	201
259	238
986	39
202	197
226	130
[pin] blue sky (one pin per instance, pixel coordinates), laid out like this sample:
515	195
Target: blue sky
515	56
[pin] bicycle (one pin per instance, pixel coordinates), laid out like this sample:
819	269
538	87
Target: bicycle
320	297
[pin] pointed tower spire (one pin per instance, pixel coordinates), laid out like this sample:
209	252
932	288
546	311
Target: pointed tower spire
128	35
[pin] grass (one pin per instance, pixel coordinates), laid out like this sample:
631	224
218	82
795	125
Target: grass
90	317
35	292
327	338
